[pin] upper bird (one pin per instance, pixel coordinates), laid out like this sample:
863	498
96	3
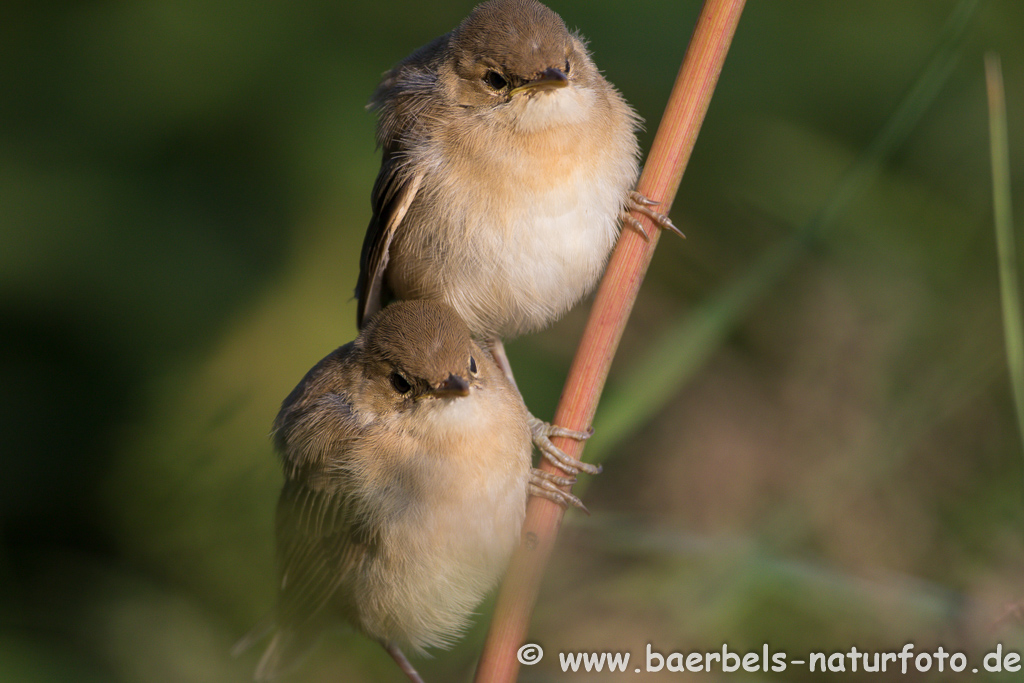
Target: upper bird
508	164
508	161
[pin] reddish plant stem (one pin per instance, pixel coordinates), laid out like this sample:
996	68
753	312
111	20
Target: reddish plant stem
669	155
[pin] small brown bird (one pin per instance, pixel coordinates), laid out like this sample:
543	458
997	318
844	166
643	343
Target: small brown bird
508	164
407	468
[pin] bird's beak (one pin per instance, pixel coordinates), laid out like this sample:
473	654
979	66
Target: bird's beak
452	387
549	79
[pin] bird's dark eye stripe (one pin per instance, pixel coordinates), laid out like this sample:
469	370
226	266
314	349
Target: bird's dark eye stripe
401	384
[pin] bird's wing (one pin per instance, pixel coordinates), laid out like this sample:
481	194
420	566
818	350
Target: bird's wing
320	542
320	533
393	194
405	100
319	545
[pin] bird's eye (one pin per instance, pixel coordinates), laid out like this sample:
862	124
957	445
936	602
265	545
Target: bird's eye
472	366
401	384
495	80
567	67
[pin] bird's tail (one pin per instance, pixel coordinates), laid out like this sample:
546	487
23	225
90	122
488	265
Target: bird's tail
260	631
284	652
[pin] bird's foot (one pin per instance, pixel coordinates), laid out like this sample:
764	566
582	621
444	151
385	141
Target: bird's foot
641	204
546	485
542	433
403	663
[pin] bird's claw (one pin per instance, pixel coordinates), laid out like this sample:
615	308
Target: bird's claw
542	433
641	204
545	485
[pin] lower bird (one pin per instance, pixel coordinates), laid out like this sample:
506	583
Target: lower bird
407	461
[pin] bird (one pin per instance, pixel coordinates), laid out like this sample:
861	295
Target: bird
407	467
508	164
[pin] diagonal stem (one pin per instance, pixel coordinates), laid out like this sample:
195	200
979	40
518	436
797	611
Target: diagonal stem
669	155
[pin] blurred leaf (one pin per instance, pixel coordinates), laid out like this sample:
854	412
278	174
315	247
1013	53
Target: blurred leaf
1009	282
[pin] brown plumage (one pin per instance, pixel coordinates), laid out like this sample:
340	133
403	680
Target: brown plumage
407	467
507	161
507	164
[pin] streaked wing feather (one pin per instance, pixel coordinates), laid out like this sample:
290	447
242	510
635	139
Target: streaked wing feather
393	194
320	544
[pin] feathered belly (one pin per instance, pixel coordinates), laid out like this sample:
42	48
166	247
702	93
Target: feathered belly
434	568
438	555
511	273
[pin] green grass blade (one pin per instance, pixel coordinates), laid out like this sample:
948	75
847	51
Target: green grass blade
1009	282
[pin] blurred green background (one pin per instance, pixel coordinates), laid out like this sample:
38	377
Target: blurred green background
809	436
